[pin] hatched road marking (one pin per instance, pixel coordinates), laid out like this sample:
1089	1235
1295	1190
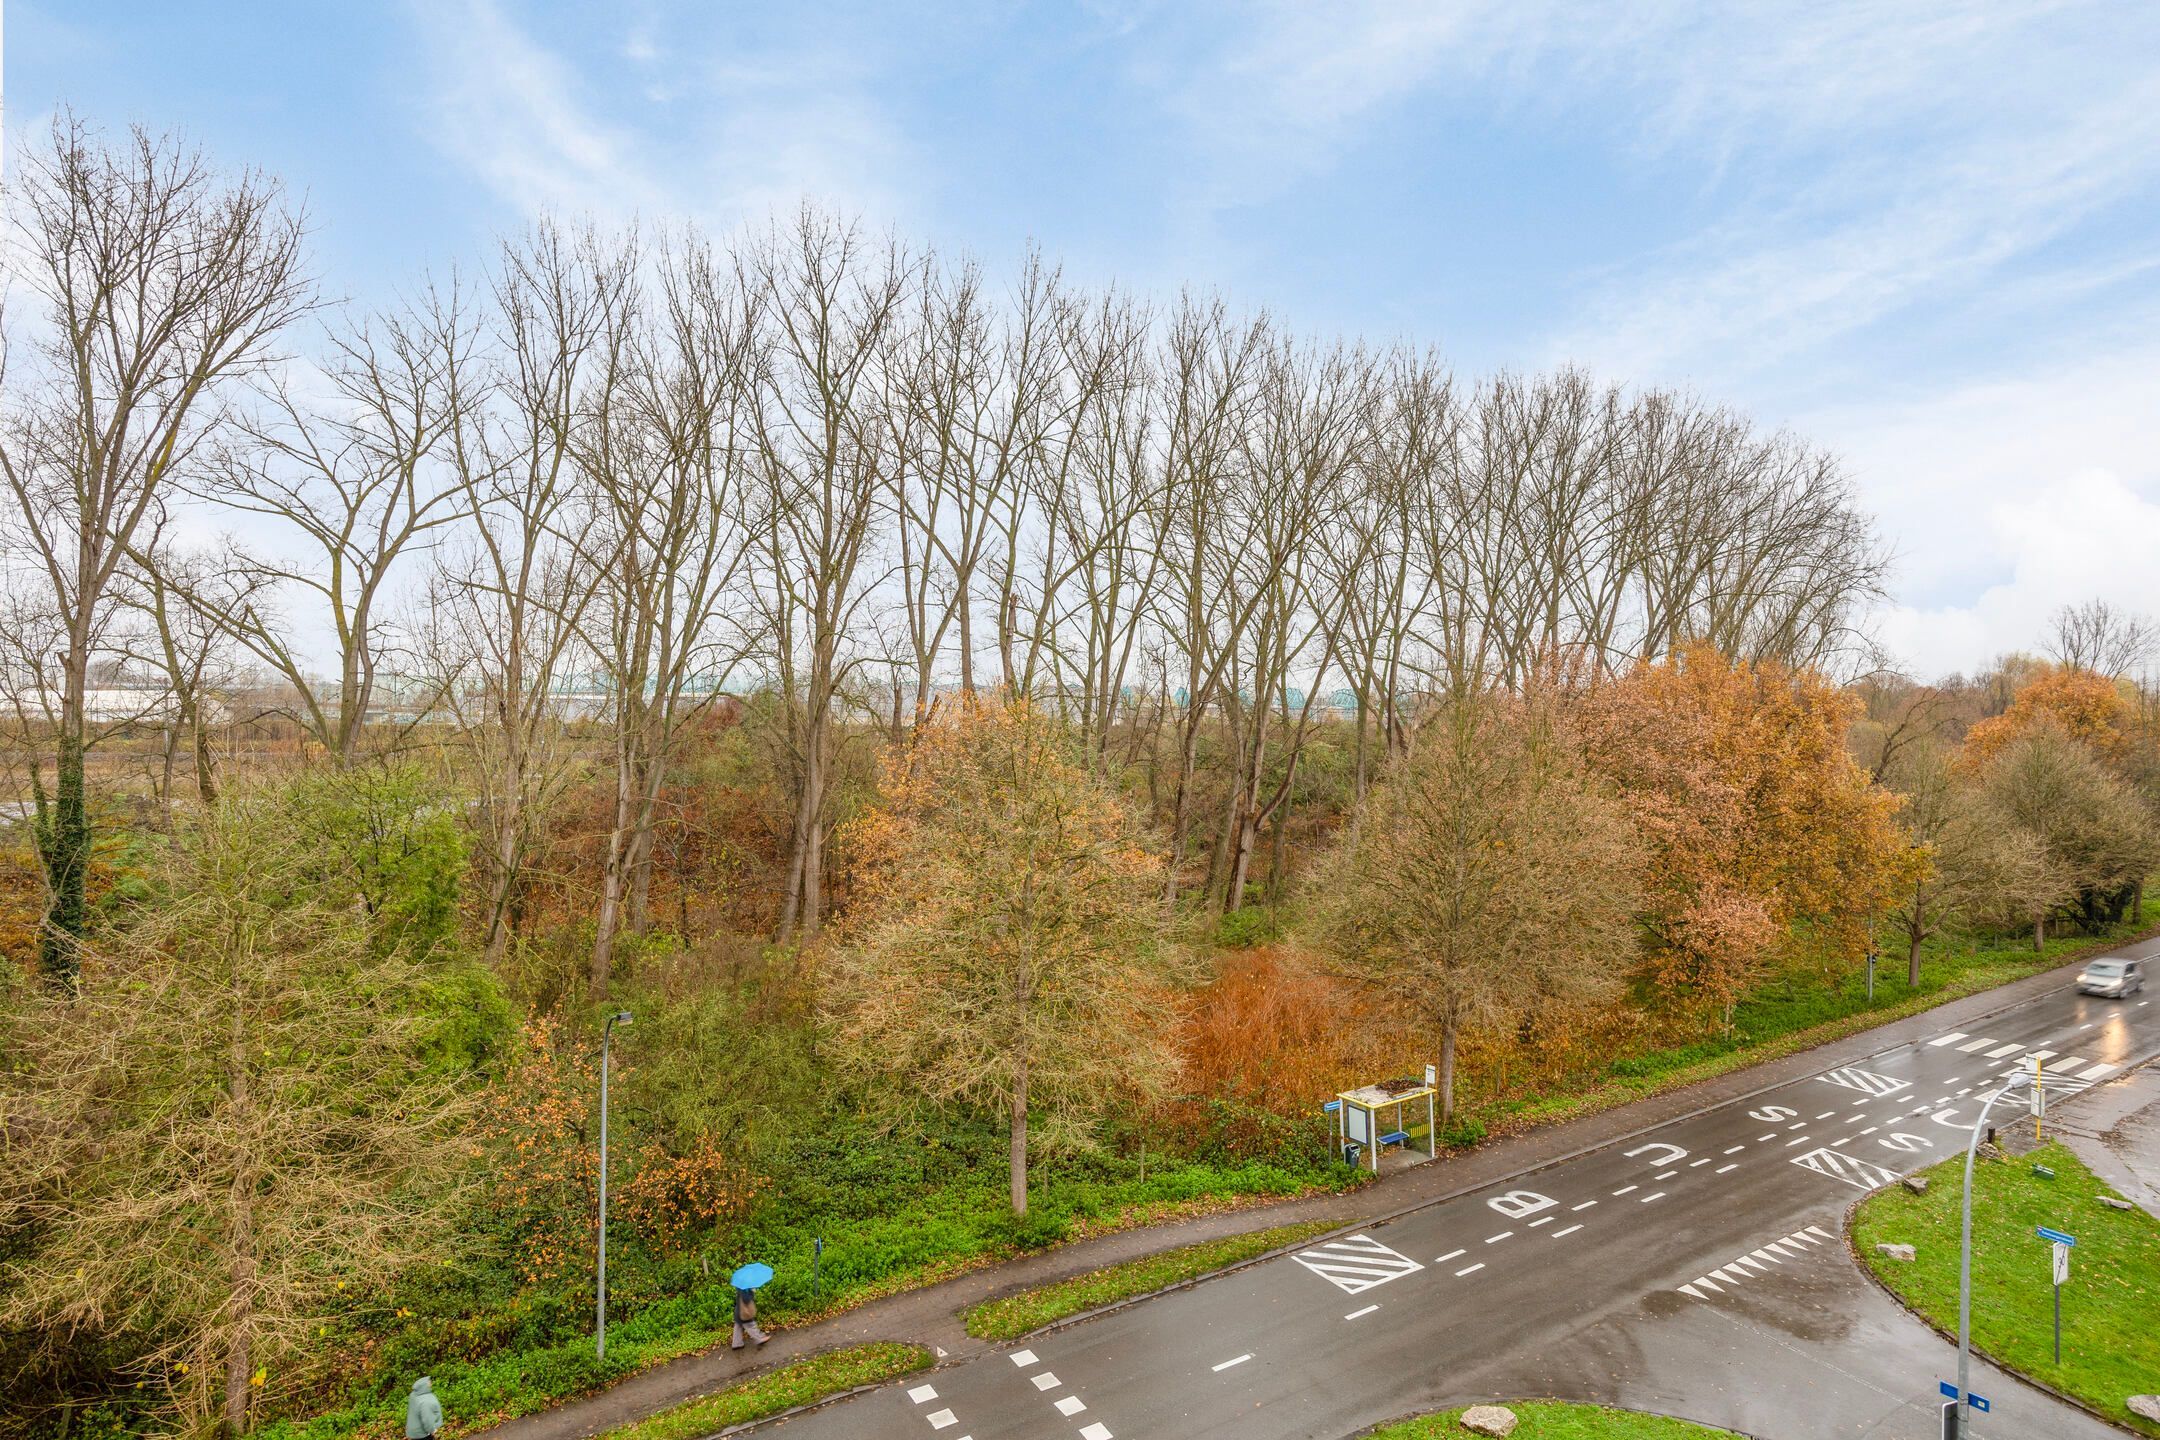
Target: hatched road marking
1860	1174
1356	1263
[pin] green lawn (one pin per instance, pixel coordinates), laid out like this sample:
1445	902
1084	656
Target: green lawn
2111	1342
796	1383
1555	1420
1015	1315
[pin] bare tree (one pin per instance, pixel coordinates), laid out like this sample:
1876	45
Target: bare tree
665	456
2098	638
161	281
827	299
359	481
511	601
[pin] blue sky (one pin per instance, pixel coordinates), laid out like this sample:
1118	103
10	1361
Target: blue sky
1922	234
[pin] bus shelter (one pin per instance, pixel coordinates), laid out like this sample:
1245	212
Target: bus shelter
1374	1117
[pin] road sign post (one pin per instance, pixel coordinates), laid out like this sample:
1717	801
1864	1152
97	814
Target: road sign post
2059	1254
1964	1330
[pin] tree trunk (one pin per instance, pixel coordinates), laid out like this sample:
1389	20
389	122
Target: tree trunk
1912	963
67	849
799	914
1019	1140
205	773
2039	932
240	1353
1447	1075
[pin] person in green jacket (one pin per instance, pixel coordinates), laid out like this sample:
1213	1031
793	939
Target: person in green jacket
423	1412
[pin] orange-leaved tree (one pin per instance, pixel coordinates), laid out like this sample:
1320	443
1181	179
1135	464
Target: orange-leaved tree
1759	822
1489	875
2088	708
1007	949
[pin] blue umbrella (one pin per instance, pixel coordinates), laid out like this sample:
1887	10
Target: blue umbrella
749	1277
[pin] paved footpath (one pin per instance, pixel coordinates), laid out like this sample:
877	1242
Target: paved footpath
1682	1254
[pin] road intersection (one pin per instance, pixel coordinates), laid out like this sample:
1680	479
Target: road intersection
1698	1268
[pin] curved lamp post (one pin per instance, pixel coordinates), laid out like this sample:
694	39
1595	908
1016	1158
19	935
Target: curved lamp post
620	1017
2020	1081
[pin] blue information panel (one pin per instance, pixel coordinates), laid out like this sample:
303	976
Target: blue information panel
1978	1402
2056	1235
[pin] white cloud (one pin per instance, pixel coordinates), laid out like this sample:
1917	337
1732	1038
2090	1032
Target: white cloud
687	137
2009	499
514	114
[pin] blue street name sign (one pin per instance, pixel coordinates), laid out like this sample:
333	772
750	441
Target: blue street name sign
1331	1107
1978	1402
2056	1235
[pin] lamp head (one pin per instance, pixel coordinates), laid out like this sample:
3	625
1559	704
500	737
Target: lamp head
620	1017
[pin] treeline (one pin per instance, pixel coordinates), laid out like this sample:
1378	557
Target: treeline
619	475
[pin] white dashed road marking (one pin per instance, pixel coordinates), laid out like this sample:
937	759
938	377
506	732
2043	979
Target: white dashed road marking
1569	1231
1733	1165
1496	1239
941	1419
1659	1195
1469	1269
1443	1259
1072	1405
1095	1432
1236	1360
922	1392
1023	1358
1047	1380
1366	1311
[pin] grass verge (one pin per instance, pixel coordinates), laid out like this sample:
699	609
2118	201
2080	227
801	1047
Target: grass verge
799	1382
1016	1315
2111	1350
1555	1420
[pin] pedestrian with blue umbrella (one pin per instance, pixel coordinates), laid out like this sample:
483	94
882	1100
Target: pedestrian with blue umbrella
746	1280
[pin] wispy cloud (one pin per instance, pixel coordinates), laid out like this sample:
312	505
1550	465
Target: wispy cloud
679	134
518	117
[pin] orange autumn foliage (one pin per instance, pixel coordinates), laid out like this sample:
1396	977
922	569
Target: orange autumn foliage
1759	823
1271	1034
2082	705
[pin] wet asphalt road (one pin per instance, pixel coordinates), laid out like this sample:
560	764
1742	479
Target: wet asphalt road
1698	1270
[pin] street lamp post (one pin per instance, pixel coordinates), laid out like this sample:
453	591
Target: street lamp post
620	1017
2016	1082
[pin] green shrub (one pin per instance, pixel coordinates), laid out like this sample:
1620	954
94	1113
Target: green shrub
1245	927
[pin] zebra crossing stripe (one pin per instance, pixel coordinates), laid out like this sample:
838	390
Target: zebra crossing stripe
1737	1272
1976	1045
2099	1072
1356	1263
1950	1039
1867	1082
2001	1050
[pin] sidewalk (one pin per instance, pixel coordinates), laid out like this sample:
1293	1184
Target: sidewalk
931	1315
2115	1129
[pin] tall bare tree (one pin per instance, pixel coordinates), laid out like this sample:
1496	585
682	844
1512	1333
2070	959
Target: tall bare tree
161	280
358	480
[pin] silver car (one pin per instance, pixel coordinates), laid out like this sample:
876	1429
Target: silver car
2114	978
